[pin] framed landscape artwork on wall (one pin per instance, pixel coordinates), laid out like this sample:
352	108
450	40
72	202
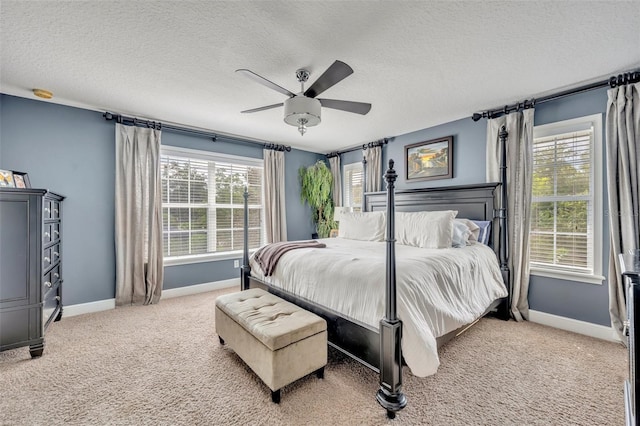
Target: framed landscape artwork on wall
429	160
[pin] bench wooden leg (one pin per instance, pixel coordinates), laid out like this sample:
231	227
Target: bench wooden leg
275	396
320	373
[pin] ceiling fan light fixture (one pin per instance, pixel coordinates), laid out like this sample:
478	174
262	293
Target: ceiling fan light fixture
302	112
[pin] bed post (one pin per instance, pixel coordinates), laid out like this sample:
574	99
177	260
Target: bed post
505	308
245	272
390	394
364	182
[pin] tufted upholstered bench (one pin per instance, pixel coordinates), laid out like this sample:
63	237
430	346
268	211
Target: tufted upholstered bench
280	341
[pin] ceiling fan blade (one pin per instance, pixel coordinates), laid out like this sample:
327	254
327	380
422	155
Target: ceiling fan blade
262	108
337	72
270	84
355	107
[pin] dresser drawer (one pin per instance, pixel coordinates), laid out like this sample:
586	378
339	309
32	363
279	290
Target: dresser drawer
51	278
49	306
55	231
46	259
46	207
55	210
50	256
47	282
47	236
50	233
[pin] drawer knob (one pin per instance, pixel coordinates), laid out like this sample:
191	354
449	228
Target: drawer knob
48	235
56	211
48	284
55	253
47	259
57	275
47	209
56	232
58	298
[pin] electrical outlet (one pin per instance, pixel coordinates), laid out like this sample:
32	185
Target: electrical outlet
236	263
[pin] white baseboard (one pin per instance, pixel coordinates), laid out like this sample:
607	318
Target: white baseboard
88	308
104	305
199	288
569	324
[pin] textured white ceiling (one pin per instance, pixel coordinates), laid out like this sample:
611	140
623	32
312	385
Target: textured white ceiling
418	63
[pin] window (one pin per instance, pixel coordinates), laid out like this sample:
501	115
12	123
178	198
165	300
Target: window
566	210
352	181
203	204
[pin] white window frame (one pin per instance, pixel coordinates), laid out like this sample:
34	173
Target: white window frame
210	156
561	127
357	166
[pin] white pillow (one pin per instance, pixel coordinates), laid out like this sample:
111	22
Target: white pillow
365	226
425	229
473	227
461	234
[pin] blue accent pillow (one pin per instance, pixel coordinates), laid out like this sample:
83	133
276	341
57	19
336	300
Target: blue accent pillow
485	231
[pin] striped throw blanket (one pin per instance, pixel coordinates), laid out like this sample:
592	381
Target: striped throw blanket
269	255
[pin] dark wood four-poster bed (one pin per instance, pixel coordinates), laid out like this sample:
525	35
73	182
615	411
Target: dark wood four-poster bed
380	348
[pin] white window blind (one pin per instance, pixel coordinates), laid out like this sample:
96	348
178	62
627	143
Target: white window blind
203	204
352	181
563	200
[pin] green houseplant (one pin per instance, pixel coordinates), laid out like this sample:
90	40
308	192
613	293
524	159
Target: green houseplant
315	189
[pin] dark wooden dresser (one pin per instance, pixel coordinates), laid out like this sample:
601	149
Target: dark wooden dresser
30	266
631	271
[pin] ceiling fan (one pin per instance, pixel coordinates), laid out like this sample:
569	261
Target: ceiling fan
303	109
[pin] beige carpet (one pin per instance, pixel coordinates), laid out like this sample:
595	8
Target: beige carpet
163	365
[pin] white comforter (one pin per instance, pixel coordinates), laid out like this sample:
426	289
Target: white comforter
439	290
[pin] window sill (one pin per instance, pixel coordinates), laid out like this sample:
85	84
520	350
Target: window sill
201	258
568	276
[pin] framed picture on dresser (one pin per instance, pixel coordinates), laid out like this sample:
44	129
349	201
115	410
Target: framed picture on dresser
21	179
6	179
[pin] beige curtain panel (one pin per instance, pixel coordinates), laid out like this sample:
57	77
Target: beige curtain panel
336	172
373	157
274	200
138	215
519	173
623	151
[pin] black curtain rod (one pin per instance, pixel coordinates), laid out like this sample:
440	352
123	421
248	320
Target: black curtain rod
132	121
355	148
619	80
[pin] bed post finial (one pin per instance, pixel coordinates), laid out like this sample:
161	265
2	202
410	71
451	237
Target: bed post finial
390	394
245	271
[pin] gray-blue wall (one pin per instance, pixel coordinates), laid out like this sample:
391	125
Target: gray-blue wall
581	301
71	151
